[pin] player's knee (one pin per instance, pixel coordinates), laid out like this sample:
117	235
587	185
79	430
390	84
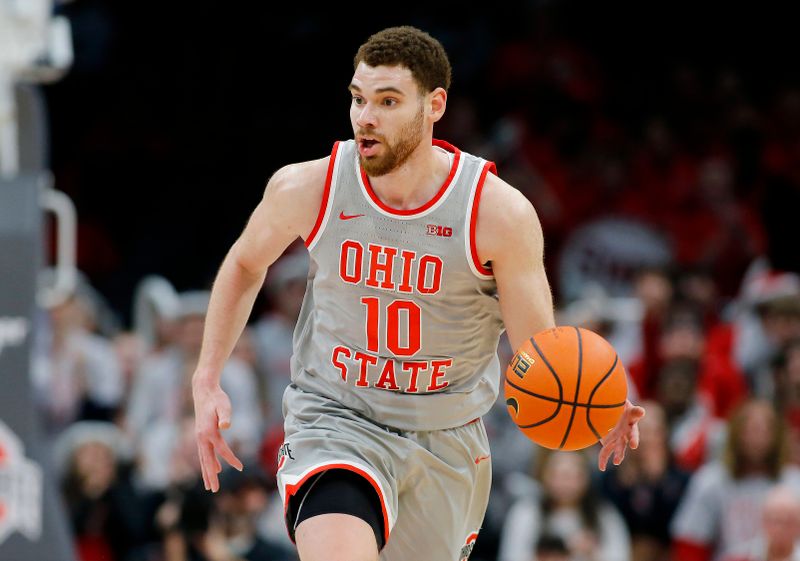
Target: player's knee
336	537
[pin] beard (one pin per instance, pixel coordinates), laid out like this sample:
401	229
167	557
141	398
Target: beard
395	154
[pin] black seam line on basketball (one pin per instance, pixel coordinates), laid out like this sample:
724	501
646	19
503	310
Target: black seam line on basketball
577	389
550	368
591	396
558	381
556	400
543	421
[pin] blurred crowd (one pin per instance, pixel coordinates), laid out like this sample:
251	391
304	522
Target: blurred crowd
716	477
686	202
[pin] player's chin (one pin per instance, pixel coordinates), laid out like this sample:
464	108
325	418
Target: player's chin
369	163
375	166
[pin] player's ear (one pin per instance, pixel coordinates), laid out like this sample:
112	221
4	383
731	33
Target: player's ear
437	102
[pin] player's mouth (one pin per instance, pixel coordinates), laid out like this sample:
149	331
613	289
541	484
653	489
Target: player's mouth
368	146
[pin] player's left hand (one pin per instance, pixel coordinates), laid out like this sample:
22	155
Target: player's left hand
625	434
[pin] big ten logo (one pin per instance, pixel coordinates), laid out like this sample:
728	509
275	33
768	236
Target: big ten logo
521	363
441	231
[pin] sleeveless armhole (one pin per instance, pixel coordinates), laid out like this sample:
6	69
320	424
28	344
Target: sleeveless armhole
327	199
478	268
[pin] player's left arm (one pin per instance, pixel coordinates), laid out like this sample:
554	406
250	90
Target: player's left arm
509	235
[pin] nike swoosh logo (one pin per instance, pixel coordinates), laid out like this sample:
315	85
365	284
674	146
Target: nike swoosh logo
479	459
344	216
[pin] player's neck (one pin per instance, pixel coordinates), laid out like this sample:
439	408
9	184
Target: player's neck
416	181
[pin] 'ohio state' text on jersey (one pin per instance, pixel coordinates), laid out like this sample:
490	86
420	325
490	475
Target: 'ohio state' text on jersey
400	320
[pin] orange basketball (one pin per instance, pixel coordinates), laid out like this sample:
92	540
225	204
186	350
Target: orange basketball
566	388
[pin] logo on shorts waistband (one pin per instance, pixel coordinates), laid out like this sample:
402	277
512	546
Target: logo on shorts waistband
468	546
284	452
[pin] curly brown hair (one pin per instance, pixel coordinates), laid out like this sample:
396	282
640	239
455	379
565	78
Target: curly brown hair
408	46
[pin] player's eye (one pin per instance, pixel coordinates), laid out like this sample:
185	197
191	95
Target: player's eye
389	102
358	100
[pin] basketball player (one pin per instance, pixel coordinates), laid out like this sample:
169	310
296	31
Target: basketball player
420	256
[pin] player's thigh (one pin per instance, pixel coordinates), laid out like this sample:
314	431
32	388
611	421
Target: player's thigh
336	537
337	514
444	497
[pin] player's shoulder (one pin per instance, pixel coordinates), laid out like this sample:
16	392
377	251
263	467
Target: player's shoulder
300	177
503	199
505	215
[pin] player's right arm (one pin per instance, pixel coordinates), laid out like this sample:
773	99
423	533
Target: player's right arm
287	211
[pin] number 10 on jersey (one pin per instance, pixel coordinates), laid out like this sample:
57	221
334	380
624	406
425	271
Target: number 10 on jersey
392	313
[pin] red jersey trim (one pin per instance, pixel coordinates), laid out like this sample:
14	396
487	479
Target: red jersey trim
473	219
290	490
325	197
439	194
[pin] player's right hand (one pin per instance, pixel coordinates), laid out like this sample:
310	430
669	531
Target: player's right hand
212	412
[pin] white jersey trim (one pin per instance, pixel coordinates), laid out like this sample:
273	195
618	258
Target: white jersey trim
425	212
331	193
468	226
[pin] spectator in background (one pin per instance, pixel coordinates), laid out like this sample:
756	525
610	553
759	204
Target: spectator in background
154	329
695	434
110	518
647	488
185	521
76	373
244	496
155	309
779	539
780	318
131	352
221	527
680	334
162	389
565	506
551	548
653	288
767	316
719	512
272	334
696	287
786	397
720	381
167	455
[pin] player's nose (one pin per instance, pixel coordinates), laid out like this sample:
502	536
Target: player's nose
366	117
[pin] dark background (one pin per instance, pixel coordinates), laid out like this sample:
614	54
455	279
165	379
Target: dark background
175	114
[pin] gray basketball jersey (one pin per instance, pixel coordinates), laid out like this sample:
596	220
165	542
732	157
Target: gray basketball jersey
400	322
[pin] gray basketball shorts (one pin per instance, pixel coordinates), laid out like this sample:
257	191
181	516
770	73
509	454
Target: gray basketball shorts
433	485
